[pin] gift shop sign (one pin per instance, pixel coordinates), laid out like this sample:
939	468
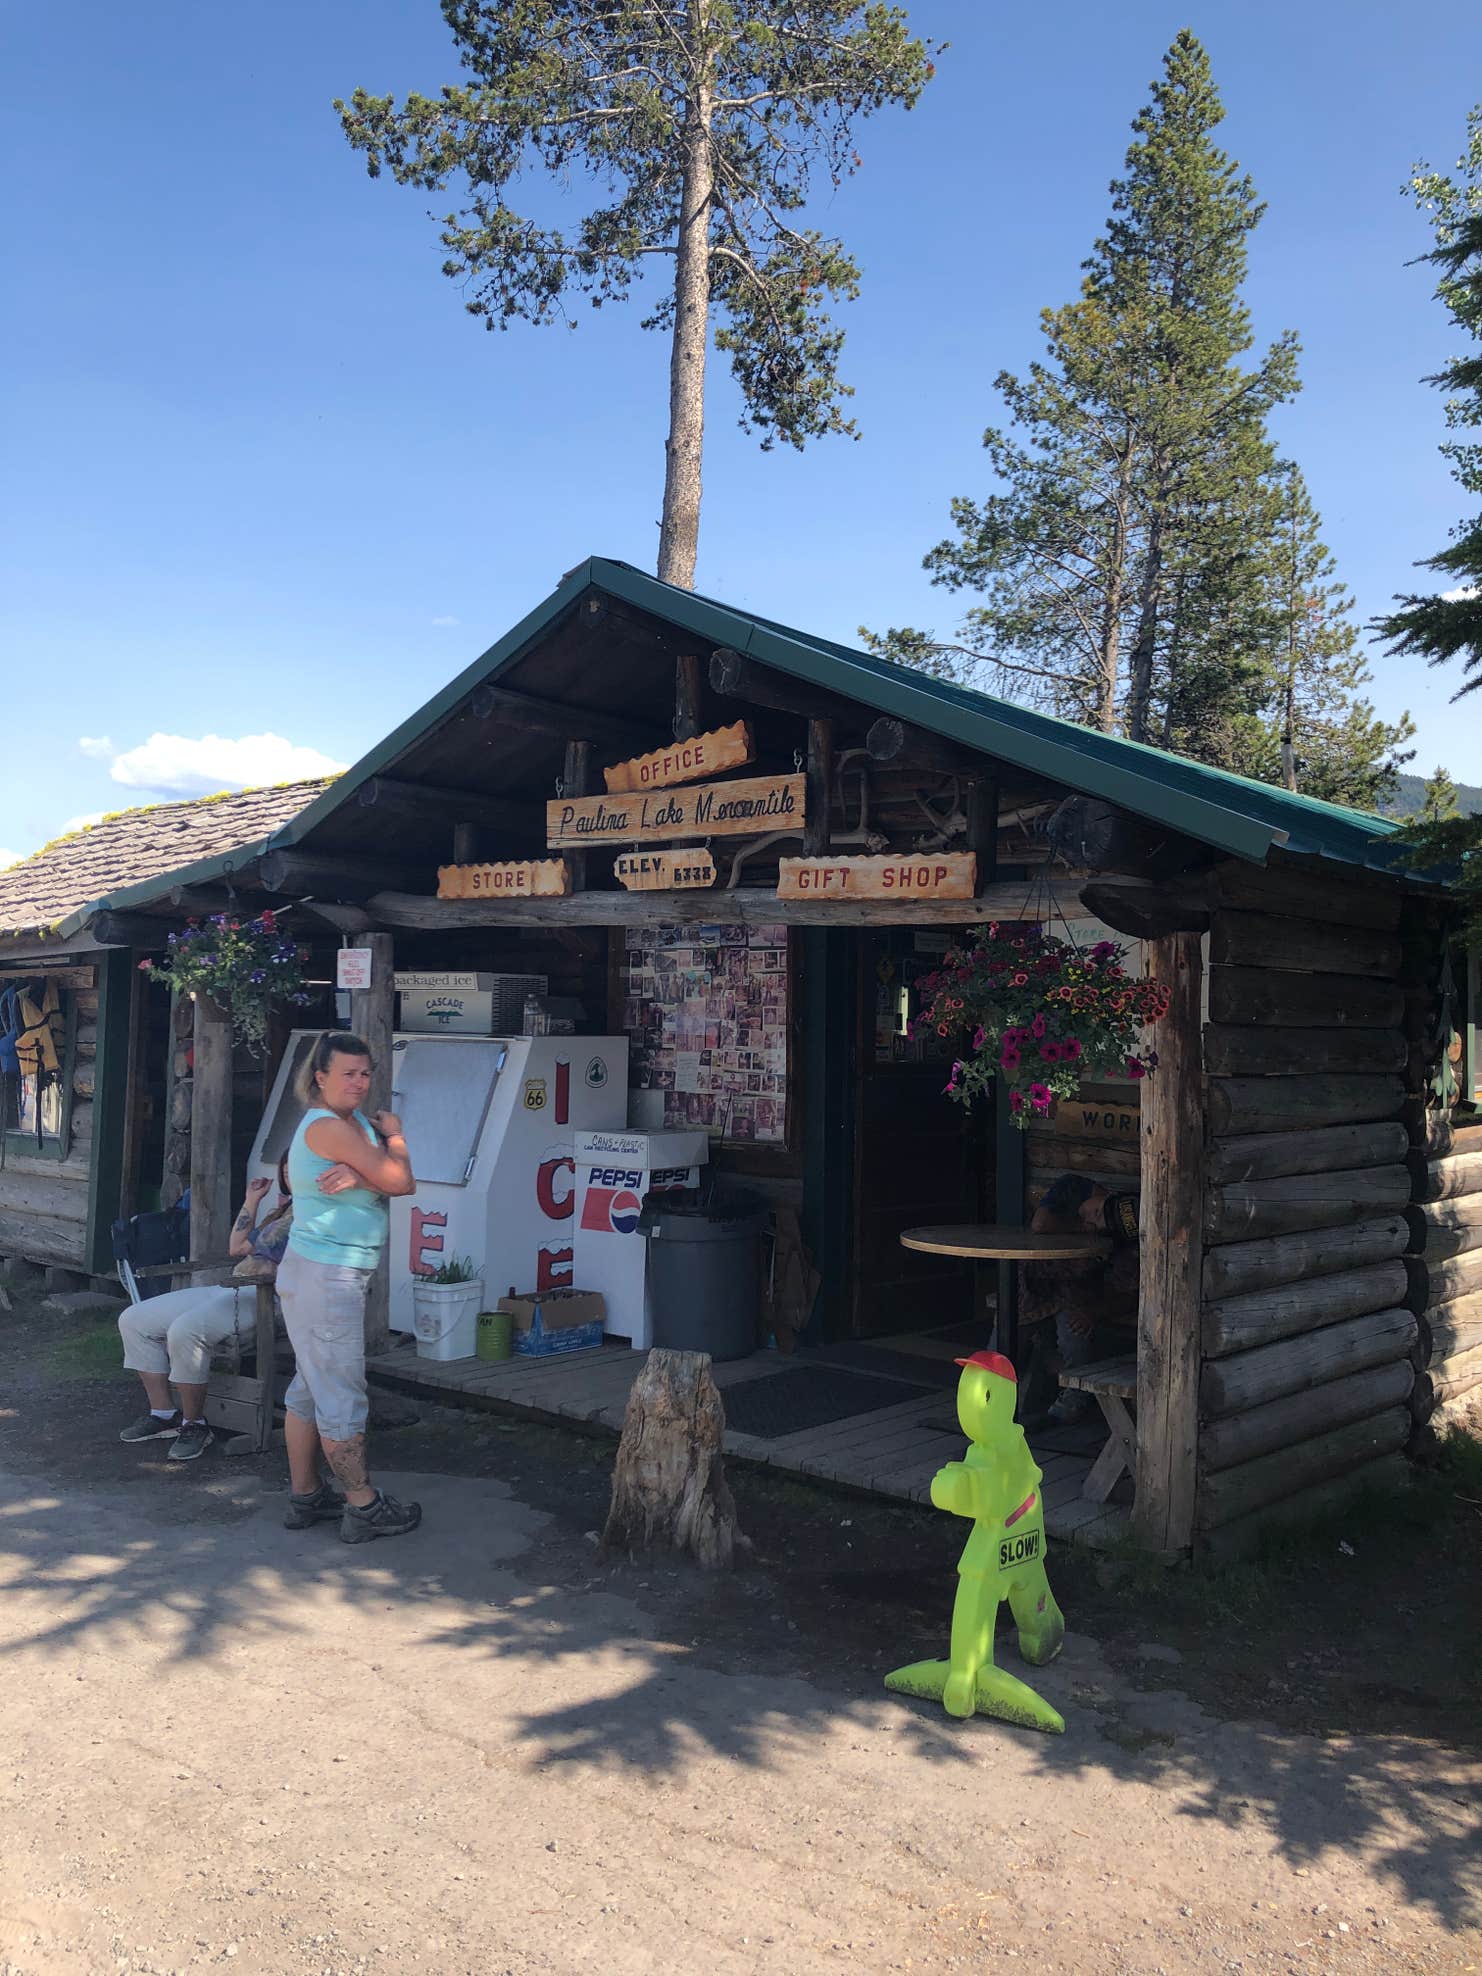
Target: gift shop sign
717	809
683	761
918	875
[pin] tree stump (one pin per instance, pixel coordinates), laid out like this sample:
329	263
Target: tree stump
669	1488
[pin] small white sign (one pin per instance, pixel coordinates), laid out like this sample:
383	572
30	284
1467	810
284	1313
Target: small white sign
352	967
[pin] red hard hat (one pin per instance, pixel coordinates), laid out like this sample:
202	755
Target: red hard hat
992	1362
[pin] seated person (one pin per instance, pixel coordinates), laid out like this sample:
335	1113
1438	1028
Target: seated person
1078	1296
171	1338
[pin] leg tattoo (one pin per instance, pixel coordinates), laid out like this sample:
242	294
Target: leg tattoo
347	1459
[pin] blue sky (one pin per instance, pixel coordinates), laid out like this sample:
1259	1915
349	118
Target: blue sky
268	479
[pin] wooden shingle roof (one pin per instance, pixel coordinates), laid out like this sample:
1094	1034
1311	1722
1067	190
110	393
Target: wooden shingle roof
137	845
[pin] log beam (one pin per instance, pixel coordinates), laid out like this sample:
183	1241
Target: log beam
1311	1358
559	720
140	930
1238	1267
1235	1492
1149	912
893	744
392	798
1260	1317
297	872
1251	1052
746	906
576	780
1303	1201
1328	1001
1171	1258
1272	1104
735	677
1324	895
1265	1430
1276	1155
1242	939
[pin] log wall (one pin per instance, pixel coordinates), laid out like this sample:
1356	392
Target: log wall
1308	1321
1445	1220
44	1202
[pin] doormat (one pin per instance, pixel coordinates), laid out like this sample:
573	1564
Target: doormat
787	1402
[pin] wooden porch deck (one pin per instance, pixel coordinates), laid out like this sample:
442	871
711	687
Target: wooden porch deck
891	1452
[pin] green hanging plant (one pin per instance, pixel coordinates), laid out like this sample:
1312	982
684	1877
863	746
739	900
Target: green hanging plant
244	965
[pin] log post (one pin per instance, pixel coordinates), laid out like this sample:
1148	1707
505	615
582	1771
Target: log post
371	1013
465	843
669	1488
1172	1255
576	777
820	788
686	697
210	1129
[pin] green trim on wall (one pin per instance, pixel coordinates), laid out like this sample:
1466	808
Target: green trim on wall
116	977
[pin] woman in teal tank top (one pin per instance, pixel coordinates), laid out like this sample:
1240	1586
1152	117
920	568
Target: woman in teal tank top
341	1165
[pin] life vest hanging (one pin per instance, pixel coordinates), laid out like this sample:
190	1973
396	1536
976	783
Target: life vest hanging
36	1045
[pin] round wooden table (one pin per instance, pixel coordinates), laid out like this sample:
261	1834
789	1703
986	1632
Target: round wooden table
992	1241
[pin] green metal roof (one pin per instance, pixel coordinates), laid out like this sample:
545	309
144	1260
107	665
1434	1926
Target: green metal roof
1230	813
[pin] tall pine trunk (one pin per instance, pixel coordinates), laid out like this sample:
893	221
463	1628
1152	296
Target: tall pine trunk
679	528
1289	708
1109	657
1145	645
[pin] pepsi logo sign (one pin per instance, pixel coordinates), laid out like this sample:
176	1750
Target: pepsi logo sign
615	1208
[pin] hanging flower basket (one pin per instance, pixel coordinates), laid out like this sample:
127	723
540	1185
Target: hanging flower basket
1038	1014
245	965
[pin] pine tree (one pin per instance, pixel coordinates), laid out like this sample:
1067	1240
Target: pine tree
703	123
1313	732
1114	562
1449	626
1439	802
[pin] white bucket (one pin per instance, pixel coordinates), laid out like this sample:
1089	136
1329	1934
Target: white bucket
445	1318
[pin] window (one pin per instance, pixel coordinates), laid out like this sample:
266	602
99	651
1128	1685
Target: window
38	1030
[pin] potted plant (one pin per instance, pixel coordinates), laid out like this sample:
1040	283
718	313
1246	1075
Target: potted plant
445	1310
244	964
1038	1014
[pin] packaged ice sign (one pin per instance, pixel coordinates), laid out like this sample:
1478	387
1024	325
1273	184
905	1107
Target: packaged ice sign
448	1004
615	1172
496	1179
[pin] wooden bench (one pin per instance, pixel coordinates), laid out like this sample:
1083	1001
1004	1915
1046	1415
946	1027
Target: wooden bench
1114	1384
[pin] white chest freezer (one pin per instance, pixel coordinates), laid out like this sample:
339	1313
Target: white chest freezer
614	1171
490	1125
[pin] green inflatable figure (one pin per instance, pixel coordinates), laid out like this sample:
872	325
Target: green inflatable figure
997	1485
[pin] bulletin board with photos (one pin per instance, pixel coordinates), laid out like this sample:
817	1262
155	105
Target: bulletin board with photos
706	1012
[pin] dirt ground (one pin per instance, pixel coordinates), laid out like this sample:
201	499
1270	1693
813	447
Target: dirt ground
479	1749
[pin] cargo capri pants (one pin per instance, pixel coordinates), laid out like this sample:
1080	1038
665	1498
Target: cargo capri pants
324	1311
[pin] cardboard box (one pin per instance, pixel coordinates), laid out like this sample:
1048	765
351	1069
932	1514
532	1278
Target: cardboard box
557	1321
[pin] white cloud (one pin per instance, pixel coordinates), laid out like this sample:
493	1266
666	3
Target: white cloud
81	822
443	622
178	765
8	858
1463	594
97	748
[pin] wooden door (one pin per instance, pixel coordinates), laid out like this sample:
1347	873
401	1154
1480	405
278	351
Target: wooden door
919	1158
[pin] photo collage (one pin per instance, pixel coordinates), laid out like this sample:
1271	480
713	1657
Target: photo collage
706	1013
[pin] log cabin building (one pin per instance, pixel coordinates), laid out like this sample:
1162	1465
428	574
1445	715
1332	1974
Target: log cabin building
1311	1194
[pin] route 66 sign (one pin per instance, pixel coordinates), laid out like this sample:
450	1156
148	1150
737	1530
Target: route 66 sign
533	1094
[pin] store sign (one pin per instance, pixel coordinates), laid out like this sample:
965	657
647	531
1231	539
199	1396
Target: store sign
918	875
664	871
683	761
540	878
718	809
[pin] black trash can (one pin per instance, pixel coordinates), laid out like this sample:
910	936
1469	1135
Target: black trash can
705	1273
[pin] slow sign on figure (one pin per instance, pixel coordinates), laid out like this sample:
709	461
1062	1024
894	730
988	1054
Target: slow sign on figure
997	1485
